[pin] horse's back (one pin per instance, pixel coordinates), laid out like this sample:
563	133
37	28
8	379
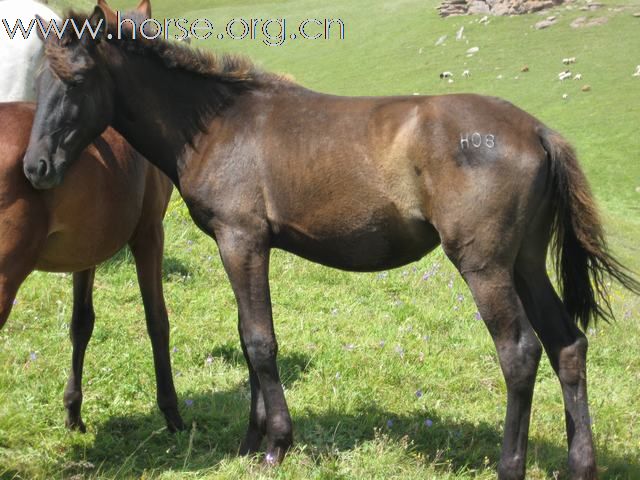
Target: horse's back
18	55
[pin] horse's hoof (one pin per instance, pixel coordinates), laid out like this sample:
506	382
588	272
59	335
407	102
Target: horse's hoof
251	443
175	423
272	460
275	456
75	425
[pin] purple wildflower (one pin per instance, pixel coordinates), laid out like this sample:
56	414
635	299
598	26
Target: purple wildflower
15	301
428	423
33	356
418	393
270	459
188	402
209	360
426	276
383	275
478	316
174	349
389	423
382	344
400	351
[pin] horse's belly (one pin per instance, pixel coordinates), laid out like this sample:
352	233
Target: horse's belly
78	249
377	248
85	232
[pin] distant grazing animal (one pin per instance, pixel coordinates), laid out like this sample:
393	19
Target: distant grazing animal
446	75
356	183
577	76
466	74
20	57
111	198
637	72
564	75
569	61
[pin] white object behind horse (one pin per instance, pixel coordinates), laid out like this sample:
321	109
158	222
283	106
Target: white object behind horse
20	58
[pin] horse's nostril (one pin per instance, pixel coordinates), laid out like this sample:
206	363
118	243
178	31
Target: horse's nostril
42	168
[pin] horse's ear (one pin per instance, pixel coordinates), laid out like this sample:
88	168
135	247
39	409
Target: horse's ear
98	22
109	15
145	8
45	27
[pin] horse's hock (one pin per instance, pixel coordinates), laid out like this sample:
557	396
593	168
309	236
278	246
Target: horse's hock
494	7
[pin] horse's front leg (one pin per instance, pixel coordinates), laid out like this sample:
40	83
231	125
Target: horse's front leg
147	248
245	256
82	321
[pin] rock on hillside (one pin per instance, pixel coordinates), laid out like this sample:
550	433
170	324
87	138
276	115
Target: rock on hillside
494	7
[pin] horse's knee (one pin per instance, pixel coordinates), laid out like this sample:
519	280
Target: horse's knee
82	323
572	361
519	360
261	349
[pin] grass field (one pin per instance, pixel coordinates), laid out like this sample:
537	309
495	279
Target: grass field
387	375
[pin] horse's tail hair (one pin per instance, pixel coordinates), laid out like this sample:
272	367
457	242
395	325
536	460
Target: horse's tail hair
580	252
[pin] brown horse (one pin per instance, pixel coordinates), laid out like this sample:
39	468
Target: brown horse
111	198
360	184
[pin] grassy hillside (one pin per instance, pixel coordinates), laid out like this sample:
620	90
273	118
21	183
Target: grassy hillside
387	375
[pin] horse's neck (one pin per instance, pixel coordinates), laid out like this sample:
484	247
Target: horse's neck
159	111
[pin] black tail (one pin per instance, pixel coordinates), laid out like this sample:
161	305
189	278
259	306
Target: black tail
582	258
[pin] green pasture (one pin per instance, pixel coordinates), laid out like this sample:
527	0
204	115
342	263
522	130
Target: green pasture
388	375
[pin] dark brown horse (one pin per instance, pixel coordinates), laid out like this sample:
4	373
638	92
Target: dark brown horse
110	198
360	184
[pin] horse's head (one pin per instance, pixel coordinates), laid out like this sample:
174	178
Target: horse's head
75	99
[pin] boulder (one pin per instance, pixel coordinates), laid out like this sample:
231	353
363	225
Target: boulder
544	24
497	7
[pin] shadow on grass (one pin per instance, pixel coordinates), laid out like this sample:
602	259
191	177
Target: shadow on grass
291	366
171	266
129	446
138	445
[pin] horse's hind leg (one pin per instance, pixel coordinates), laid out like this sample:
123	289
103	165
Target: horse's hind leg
147	248
566	347
519	352
486	264
82	321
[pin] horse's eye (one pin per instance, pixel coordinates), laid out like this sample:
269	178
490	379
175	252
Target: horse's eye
74	111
